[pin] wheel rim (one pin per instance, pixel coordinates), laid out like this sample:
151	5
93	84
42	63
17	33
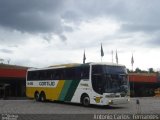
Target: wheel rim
37	96
42	97
86	101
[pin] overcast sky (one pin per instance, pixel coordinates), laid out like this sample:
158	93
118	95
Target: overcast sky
41	33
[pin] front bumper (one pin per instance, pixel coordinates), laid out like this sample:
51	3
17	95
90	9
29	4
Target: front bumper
116	101
111	101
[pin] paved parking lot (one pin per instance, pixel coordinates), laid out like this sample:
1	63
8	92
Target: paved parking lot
148	105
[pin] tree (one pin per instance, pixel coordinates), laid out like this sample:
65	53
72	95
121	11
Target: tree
1	60
151	70
128	71
138	70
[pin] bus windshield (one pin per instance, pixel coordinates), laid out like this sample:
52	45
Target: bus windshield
109	79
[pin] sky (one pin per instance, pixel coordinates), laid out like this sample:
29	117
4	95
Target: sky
40	33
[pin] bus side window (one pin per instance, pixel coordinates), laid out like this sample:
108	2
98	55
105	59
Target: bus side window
41	75
30	75
69	73
61	74
35	75
85	72
56	75
48	75
77	73
52	74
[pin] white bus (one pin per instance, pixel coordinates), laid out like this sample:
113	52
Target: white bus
90	83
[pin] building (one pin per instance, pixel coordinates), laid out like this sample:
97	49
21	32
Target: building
144	84
12	80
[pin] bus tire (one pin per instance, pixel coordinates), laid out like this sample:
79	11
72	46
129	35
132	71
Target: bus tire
42	97
85	100
36	96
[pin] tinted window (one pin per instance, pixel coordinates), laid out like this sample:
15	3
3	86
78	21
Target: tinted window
85	72
72	73
33	75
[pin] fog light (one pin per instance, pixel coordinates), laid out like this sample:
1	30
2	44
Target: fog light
110	102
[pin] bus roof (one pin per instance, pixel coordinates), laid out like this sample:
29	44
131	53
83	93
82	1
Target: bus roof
74	65
105	63
66	65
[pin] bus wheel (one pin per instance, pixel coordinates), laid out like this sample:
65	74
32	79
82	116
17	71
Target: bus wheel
42	97
85	100
36	96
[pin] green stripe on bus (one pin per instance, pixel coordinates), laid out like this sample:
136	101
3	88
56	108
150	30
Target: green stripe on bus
71	90
65	89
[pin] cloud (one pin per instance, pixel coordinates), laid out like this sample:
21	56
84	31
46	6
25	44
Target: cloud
33	27
63	37
30	16
153	40
47	37
48	16
141	27
13	38
135	15
6	51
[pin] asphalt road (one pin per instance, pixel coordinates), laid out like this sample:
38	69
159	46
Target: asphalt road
148	105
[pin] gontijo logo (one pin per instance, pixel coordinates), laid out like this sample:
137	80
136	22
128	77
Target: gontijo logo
44	83
49	83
